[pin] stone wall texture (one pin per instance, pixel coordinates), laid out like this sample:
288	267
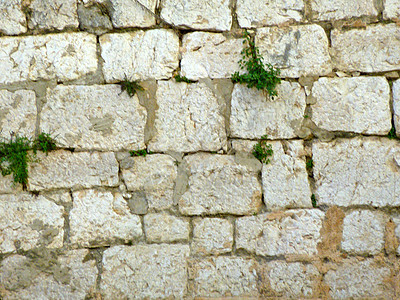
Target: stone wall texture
195	215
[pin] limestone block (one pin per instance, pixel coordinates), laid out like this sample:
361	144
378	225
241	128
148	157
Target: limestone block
93	20
254	115
198	14
296	50
99	117
133	13
292	232
100	218
13	20
139	55
254	13
360	171
396	105
357	104
163	228
53	14
396	221
210	55
7	185
342	9
64	169
154	176
17	113
189	118
286	170
28	222
217	184
64	56
391	9
46	276
212	236
374	49
224	276
145	271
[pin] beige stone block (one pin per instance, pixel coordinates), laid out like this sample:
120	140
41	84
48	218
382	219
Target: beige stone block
163	228
13	20
342	9
132	13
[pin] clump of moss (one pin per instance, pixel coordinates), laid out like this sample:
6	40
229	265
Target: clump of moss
142	152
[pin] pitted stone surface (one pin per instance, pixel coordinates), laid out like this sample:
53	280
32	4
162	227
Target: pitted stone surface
296	50
396	105
224	276
163	228
198	14
189	118
254	13
17	113
254	115
27	222
145	271
100	218
292	232
63	169
139	55
210	55
13	20
358	104
341	9
98	117
212	236
391	9
360	171
217	184
374	49
129	13
154	176
64	56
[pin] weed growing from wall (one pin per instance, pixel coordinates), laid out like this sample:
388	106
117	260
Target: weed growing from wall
179	78
131	87
392	134
262	151
142	152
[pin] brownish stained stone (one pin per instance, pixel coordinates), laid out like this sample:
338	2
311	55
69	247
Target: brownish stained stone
391	241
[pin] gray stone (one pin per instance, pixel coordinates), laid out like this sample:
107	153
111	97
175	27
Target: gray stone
391	9
133	13
93	20
396	105
7	185
342	9
137	203
396	221
13	20
163	228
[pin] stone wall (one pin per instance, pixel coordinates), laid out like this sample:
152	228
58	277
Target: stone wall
200	216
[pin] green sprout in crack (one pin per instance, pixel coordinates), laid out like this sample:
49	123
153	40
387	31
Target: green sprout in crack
313	201
142	152
262	151
392	134
45	143
131	87
309	164
179	78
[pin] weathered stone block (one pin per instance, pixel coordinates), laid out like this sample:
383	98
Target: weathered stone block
7	185
396	105
342	9
139	55
99	117
396	221
93	20
13	20
132	13
163	228
358	104
145	271
292	232
360	171
217	184
296	50
64	169
374	49
189	118
254	115
391	9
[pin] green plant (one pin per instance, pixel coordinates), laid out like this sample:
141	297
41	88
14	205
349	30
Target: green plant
313	201
262	151
392	134
179	78
263	77
45	143
131	87
142	152
309	163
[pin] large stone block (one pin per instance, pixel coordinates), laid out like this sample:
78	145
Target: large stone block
98	117
133	13
359	171
145	271
374	49
296	50
342	9
358	104
163	228
139	55
13	20
391	9
189	118
396	105
219	185
64	56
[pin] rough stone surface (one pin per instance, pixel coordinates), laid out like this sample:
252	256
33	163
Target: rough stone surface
99	117
217	184
133	13
63	169
99	218
374	49
189	118
286	170
145	271
396	221
342	9
93	20
64	56
198	14
358	279
163	228
391	9
224	276
210	55
153	178
254	13
254	115
360	171
27	222
139	55
292	232
17	113
396	105
296	50
13	20
68	276
7	185
212	236
358	104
